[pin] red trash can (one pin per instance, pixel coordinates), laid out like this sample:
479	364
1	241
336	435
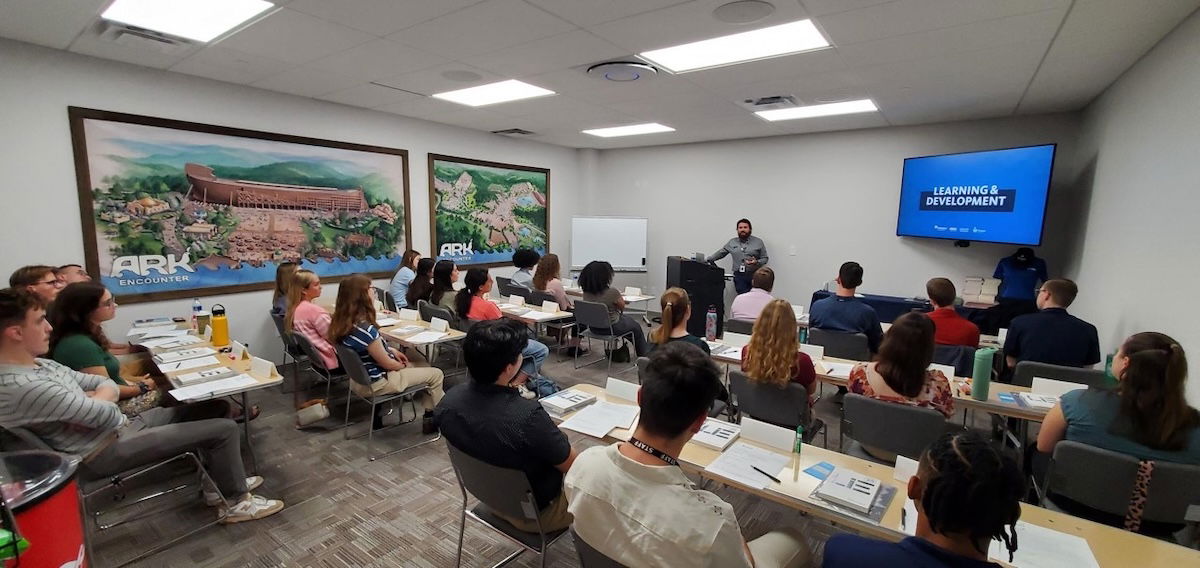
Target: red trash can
41	491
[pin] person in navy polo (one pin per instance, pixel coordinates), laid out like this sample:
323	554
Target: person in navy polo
1019	275
1052	335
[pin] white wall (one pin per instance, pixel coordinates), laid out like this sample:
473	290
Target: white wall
820	199
39	215
1139	140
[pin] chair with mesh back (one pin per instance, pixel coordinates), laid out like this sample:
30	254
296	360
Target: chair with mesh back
787	407
317	364
499	490
590	557
885	429
1026	371
841	344
594	323
1102	481
290	350
742	326
357	372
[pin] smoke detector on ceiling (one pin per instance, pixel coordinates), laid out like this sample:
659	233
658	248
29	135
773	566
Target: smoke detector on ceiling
622	71
770	103
142	38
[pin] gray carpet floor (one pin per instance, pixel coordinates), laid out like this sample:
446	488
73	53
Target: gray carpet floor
343	510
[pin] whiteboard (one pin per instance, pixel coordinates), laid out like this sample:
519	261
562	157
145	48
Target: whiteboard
619	240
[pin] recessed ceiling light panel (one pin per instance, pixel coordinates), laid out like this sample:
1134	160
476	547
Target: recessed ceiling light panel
493	93
197	20
812	111
629	130
763	43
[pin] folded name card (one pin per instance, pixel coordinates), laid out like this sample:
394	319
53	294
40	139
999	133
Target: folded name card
439	324
408	315
550	306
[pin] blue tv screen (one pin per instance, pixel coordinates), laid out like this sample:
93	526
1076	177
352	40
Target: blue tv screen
996	196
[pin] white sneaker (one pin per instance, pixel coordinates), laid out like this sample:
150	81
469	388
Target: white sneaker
252	508
525	392
212	499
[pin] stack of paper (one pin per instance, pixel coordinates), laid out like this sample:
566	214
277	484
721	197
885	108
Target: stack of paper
538	315
407	330
738	462
717	434
566	401
204	376
152	322
839	370
173	356
426	337
143	330
850	489
155	333
214	388
188	364
1040	401
386	322
1040	547
601	418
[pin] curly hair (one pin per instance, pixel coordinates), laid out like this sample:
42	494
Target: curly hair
596	277
547	269
771	353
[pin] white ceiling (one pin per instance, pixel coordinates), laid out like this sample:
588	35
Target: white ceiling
922	61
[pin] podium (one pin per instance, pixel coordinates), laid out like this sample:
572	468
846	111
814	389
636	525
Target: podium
705	285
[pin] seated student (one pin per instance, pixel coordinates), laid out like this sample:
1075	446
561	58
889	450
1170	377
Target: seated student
75	413
312	322
524	259
546	280
1145	416
78	341
899	373
445	274
353	325
966	493
470	304
950	327
676	309
72	273
488	420
844	312
38	280
404	276
596	281
421	285
1052	335
773	355
284	272
747	306
633	503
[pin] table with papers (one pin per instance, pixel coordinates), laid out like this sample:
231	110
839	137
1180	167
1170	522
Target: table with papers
1055	537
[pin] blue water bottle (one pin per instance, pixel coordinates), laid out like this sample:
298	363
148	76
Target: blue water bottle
710	324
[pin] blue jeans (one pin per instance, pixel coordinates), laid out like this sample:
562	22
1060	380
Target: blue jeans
535	353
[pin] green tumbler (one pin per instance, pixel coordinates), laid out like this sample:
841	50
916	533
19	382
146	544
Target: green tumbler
981	374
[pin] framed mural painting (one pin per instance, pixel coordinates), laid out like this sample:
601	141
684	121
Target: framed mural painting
174	209
480	211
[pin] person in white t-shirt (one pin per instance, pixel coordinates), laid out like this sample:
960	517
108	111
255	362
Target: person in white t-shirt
631	501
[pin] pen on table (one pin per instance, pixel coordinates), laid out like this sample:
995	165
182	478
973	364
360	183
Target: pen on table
773	478
903	519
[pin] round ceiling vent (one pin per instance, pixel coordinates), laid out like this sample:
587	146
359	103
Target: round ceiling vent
743	11
622	71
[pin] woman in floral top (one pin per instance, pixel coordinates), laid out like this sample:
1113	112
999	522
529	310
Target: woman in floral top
899	372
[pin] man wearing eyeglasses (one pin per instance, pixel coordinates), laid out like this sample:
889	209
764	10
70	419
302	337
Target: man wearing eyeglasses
39	280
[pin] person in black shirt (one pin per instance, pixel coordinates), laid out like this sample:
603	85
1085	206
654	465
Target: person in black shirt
1052	335
487	419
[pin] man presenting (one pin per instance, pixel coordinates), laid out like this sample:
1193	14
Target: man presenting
749	254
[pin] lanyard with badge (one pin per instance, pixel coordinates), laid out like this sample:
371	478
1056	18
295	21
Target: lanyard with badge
643	446
742	266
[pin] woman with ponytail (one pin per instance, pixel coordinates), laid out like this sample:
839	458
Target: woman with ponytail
676	309
1146	416
967	494
470	304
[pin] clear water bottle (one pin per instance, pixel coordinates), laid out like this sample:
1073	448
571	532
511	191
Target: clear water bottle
710	324
197	307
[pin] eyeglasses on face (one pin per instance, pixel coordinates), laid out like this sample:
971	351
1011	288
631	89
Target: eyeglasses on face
55	282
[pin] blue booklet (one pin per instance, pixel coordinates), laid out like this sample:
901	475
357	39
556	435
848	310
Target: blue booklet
820	470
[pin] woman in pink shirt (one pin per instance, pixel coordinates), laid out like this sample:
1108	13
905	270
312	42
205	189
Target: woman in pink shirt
311	321
546	279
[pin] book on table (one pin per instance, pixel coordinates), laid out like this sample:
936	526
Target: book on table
193	353
563	402
1040	401
717	434
849	488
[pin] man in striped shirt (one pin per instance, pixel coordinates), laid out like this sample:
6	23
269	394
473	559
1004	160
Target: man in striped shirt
76	413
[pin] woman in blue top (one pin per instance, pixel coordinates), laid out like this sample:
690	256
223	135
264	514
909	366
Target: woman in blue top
404	277
1146	416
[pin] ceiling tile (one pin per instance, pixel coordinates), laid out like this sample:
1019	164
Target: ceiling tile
592	12
90	44
682	23
577	47
825	7
828	123
305	82
52	23
911	16
696	107
378	17
294	37
368	95
485	27
475	119
578	84
229	65
420	107
377	59
431	80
